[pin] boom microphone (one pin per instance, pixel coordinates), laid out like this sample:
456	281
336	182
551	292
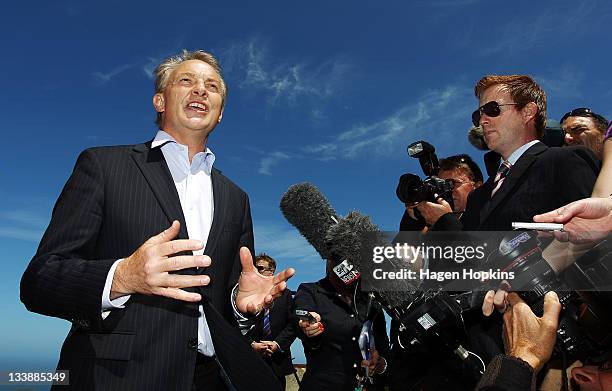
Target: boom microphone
308	210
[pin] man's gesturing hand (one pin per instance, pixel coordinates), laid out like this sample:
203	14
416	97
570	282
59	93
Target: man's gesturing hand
528	337
256	291
146	271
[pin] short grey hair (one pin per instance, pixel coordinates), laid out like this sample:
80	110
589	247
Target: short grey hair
164	70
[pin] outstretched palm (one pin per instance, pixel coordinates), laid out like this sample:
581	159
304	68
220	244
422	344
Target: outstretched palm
256	291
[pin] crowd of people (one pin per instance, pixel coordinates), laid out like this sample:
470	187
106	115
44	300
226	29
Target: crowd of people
149	255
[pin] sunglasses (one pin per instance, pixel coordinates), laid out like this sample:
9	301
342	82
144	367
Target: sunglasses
491	109
455	183
583	112
263	269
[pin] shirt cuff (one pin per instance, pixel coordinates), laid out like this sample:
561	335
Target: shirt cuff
245	322
107	303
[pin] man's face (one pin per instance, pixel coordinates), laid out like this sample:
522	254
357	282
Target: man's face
582	131
264	268
504	133
192	101
463	186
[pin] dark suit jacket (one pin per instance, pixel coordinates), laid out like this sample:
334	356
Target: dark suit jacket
542	179
283	328
115	199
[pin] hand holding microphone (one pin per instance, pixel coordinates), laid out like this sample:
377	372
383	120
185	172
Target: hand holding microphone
312	327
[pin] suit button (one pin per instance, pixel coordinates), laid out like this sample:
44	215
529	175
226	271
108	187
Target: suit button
192	343
353	338
354	365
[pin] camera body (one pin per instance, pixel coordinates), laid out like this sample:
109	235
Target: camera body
412	189
582	317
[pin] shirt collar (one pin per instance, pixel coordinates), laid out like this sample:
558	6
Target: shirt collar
163	139
514	157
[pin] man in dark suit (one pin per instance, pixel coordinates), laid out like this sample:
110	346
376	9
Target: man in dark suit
148	311
273	334
532	178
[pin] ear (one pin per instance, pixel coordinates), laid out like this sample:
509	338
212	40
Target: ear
529	111
158	102
220	115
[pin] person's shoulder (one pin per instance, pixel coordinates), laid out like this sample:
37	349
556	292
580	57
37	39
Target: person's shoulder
567	151
571	157
308	286
108	154
113	150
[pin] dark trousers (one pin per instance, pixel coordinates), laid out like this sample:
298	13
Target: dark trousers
207	375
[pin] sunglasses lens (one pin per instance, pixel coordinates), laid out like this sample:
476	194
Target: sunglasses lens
476	117
491	109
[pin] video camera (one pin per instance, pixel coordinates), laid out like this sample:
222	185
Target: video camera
412	189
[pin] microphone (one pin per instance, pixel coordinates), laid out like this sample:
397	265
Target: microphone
307	209
341	240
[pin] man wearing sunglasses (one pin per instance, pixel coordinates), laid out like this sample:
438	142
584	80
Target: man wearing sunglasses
532	178
271	337
582	126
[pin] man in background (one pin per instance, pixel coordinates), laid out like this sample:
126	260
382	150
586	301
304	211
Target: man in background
273	335
583	126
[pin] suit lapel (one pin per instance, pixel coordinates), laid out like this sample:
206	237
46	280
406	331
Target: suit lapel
511	181
221	202
154	168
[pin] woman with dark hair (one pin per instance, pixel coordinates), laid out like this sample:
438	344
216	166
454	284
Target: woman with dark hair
331	338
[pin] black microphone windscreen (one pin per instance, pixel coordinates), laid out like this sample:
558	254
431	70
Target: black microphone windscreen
346	240
307	209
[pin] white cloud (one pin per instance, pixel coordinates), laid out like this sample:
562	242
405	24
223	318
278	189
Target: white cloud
435	114
22	225
563	83
284	242
269	161
251	63
25	234
104	77
150	66
528	30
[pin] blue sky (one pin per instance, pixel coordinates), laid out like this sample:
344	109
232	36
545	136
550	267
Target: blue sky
320	91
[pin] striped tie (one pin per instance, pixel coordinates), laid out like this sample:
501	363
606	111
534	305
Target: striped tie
267	332
501	175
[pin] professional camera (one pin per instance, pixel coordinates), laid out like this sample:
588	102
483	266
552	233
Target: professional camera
435	319
584	324
411	189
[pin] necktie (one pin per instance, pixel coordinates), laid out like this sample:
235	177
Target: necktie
502	172
267	331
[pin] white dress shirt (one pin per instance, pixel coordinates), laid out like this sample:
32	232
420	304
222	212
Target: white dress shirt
194	187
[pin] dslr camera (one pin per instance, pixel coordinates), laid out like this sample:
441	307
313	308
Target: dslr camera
412	189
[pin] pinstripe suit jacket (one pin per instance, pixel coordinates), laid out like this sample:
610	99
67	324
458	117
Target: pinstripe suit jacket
115	199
